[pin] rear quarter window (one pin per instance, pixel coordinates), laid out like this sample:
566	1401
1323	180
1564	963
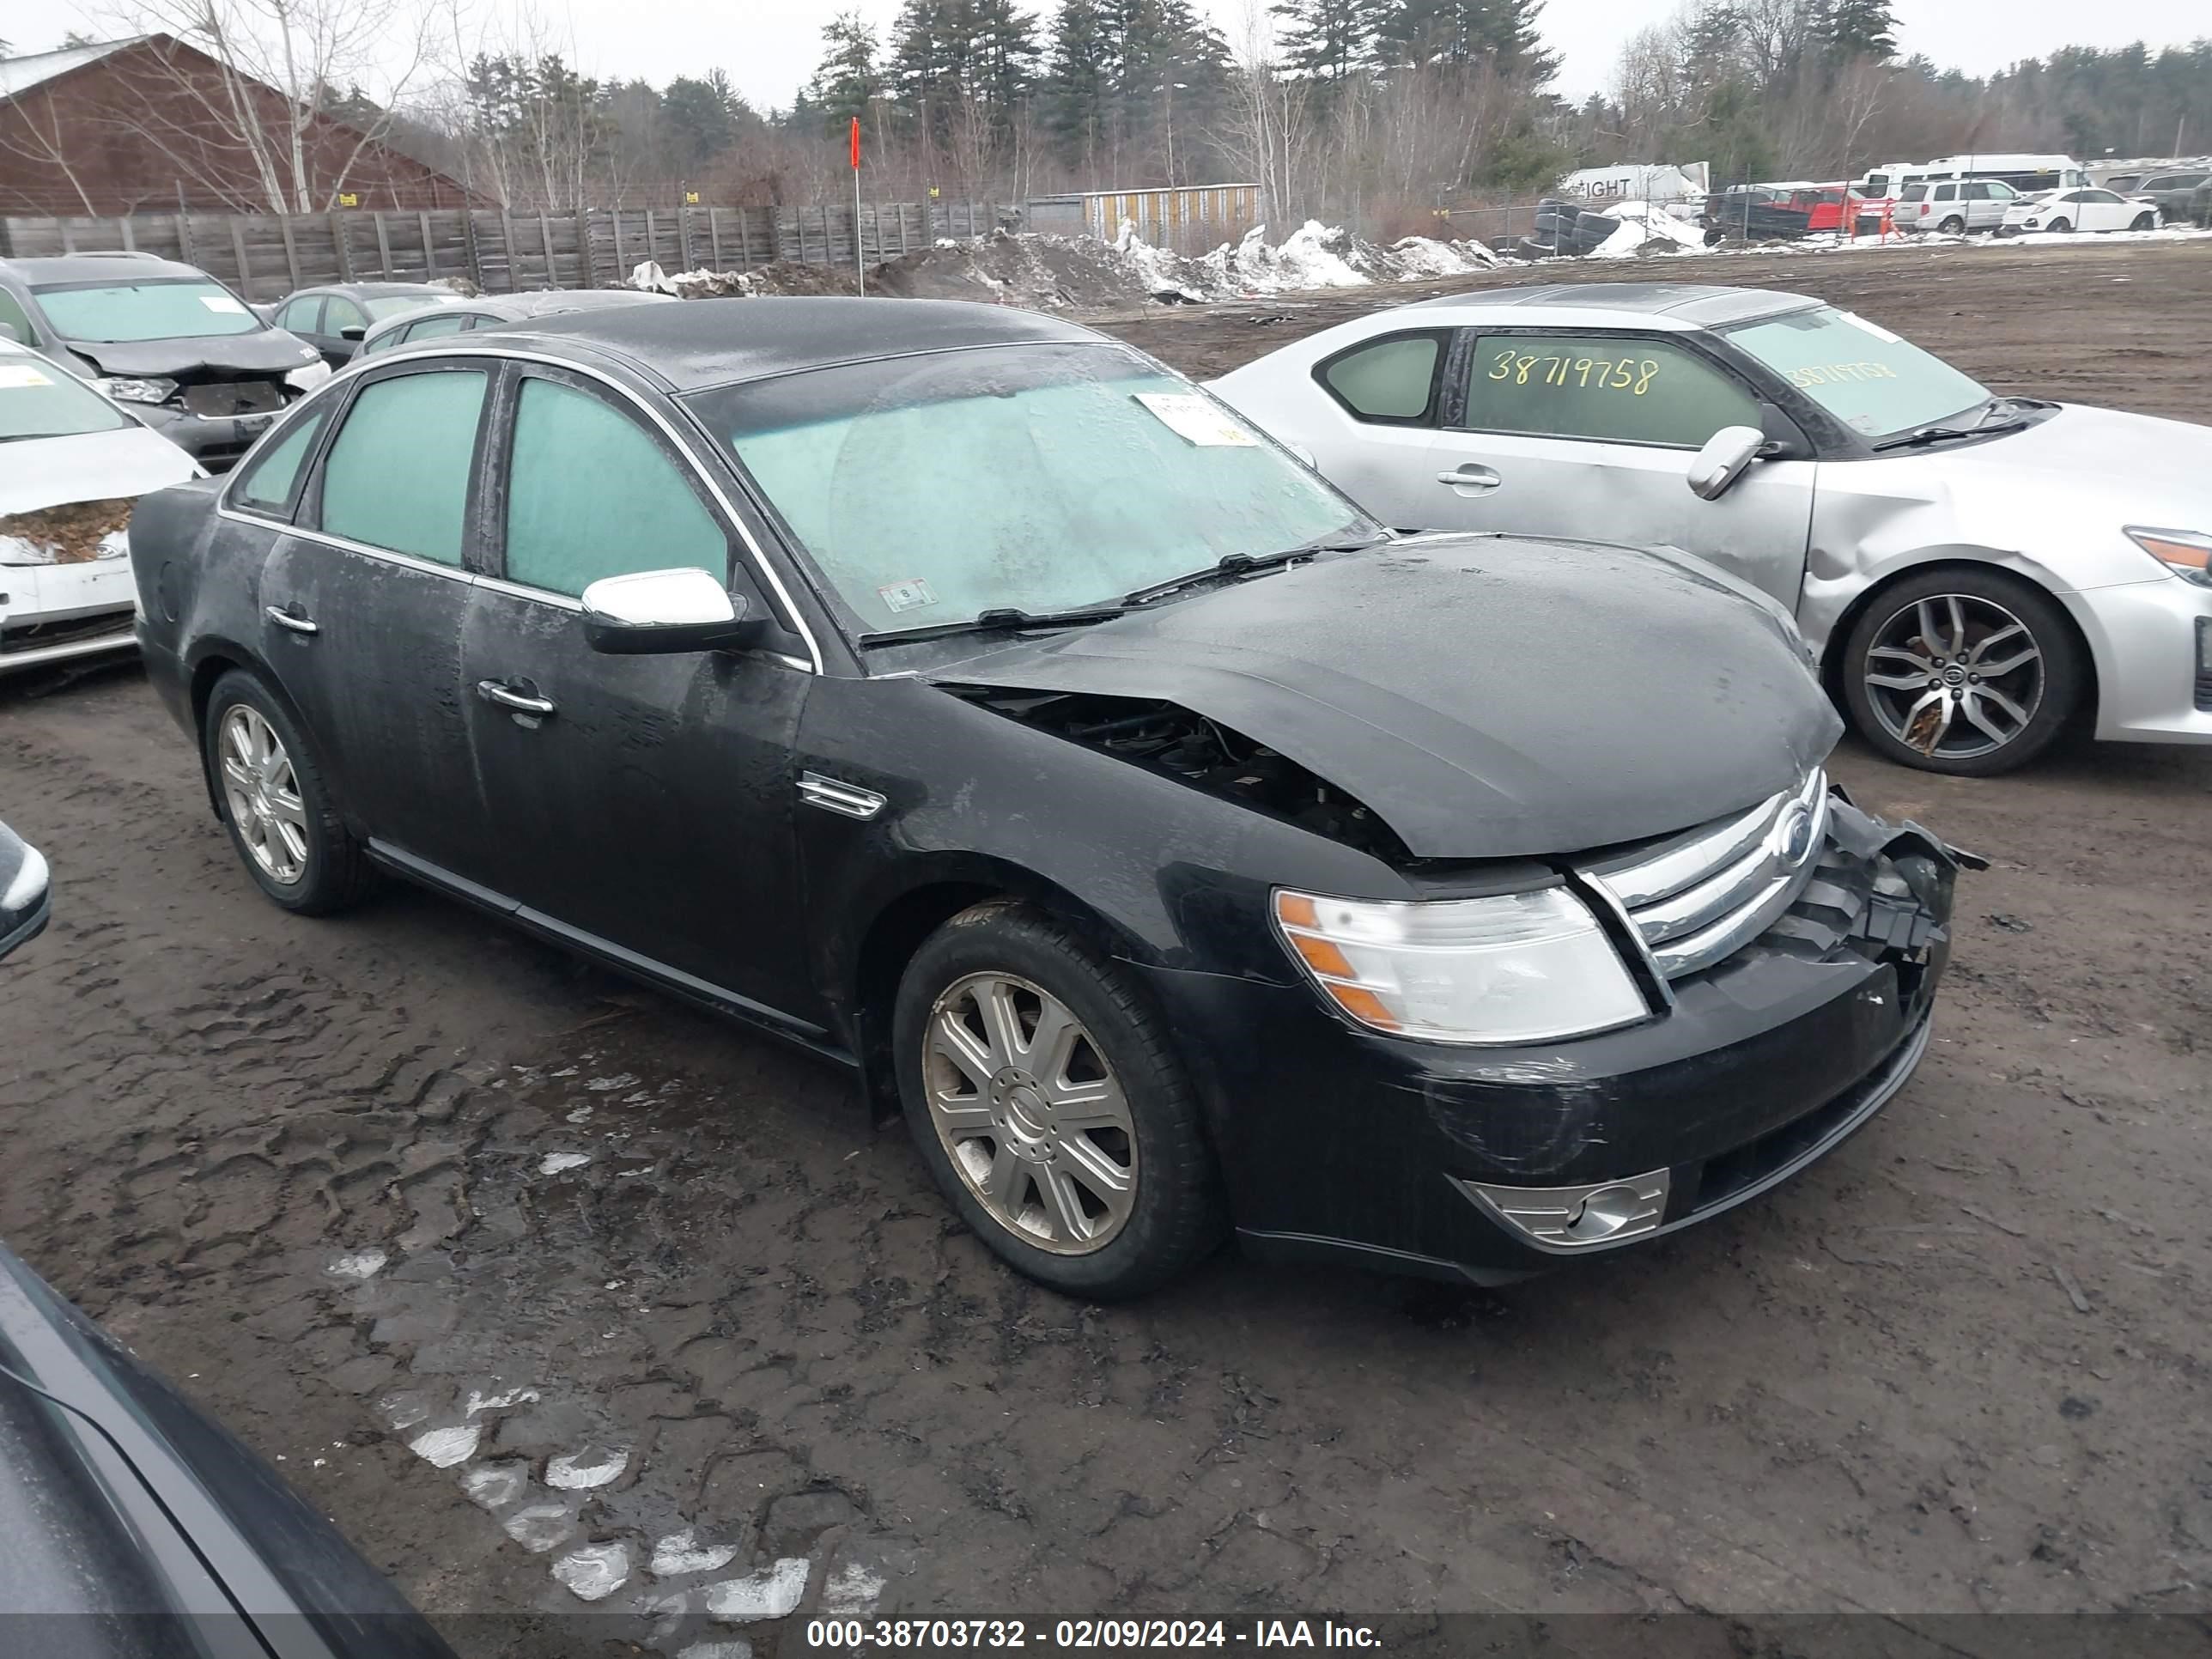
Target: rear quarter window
1393	379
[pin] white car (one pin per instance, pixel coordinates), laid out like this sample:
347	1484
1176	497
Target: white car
1975	572
2079	209
71	464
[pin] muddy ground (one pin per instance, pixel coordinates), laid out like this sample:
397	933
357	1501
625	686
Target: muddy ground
409	1179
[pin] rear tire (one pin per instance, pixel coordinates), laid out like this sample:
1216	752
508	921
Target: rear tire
1969	672
2060	225
271	795
1080	1161
1954	225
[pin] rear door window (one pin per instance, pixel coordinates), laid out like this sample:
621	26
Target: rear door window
1616	388
397	473
1391	379
270	480
591	494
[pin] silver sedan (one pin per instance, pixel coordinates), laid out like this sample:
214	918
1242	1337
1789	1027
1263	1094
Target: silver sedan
1976	573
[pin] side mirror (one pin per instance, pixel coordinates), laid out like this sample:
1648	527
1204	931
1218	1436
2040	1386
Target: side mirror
656	611
353	332
1727	456
24	901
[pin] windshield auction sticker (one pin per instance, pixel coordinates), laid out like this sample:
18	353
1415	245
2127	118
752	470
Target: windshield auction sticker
223	303
1197	421
14	375
909	595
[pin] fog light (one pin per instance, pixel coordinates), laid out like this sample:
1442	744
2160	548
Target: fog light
1574	1218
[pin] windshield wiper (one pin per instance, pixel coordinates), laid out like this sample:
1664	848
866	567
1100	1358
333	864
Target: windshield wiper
1986	426
987	622
1234	567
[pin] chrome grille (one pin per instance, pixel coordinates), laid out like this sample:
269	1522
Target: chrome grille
1697	897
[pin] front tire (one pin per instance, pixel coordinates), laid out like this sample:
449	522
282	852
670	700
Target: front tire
2144	221
274	801
1969	672
1043	1092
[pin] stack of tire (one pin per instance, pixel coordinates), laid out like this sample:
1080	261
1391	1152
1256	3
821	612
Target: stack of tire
1563	230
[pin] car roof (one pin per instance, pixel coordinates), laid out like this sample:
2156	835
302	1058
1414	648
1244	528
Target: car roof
102	268
1696	305
368	290
710	342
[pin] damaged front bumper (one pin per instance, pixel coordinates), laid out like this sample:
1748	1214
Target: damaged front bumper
1491	1164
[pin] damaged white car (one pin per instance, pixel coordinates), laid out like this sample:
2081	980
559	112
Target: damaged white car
72	464
1978	572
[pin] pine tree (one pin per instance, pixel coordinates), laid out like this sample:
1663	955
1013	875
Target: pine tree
703	116
849	77
1861	28
1326	40
1079	82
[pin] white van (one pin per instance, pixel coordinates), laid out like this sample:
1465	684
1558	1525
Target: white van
2028	174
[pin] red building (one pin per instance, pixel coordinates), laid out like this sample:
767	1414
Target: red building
151	123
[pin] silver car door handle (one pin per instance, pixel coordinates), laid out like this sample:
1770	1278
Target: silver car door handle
1470	476
507	697
285	619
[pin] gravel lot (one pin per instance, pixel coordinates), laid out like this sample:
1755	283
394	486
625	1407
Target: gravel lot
1962	1365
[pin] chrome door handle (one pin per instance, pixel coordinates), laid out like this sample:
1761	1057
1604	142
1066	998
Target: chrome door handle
1470	476
507	697
285	619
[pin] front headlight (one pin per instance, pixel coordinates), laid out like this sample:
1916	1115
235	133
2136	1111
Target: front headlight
131	389
1521	967
307	378
2187	553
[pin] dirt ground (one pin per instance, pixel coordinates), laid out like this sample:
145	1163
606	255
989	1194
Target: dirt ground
409	1179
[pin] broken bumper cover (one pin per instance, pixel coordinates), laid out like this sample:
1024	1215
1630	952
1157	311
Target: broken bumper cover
1490	1165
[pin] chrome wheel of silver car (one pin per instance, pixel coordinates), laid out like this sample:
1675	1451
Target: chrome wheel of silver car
1030	1113
263	793
1955	675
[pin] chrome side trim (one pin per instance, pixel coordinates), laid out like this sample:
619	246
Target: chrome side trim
521	591
846	800
760	559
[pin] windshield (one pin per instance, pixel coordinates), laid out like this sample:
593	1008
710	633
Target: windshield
1038	478
396	305
39	400
146	310
1868	377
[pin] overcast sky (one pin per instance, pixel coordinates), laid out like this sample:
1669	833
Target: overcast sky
770	47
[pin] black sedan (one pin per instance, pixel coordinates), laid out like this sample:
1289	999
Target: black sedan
959	694
336	318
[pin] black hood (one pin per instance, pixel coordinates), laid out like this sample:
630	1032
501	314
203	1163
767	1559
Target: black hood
1487	696
264	352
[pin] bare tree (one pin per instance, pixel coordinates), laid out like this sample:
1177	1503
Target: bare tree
25	137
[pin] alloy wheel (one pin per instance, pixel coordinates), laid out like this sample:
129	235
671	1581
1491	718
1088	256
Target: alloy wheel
1030	1113
1955	675
262	792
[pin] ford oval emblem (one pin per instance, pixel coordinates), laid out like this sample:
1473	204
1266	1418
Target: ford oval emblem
1793	837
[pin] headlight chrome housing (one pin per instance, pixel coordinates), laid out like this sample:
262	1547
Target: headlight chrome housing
138	389
2186	553
1519	968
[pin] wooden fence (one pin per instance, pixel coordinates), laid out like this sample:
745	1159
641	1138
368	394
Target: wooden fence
266	255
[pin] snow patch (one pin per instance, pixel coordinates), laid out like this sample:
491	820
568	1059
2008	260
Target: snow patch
594	1573
540	1526
494	1486
443	1448
605	1085
681	1552
737	1648
851	1591
767	1594
554	1163
595	1466
362	1264
499	1402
